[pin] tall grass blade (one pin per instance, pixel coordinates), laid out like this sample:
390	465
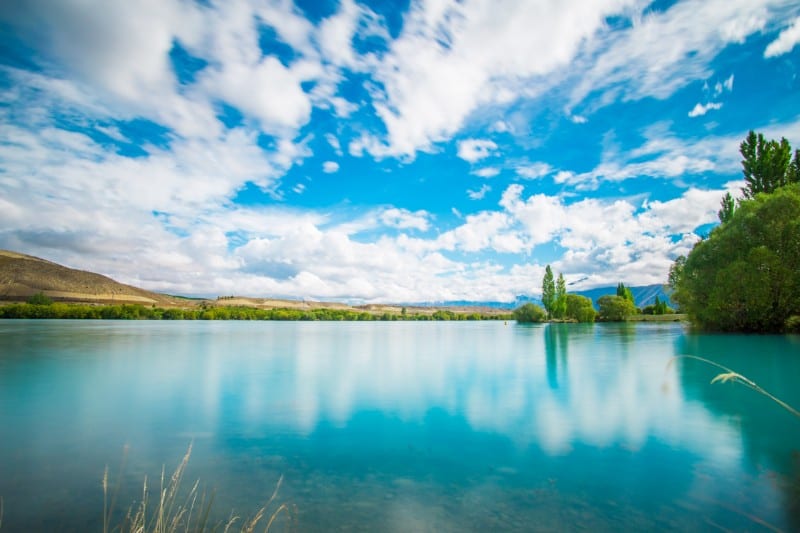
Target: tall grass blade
732	376
175	513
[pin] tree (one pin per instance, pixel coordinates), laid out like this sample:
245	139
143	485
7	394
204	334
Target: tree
560	304
580	308
767	165
548	291
40	298
746	275
625	292
530	313
615	308
727	208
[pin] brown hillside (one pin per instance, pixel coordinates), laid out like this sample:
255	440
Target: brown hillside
23	275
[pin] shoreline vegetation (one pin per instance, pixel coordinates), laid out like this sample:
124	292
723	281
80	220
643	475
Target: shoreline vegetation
58	310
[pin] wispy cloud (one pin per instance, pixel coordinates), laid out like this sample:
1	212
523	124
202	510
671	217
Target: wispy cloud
785	42
480	193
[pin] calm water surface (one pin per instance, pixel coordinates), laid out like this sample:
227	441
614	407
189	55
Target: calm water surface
403	426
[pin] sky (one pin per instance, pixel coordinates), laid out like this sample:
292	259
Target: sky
382	151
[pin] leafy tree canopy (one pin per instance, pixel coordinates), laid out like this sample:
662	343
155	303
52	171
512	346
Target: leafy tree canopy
615	308
530	313
767	165
579	308
746	275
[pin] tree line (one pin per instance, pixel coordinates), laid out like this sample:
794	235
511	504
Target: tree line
40	306
558	305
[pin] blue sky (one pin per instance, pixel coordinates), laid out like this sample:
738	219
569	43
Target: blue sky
382	150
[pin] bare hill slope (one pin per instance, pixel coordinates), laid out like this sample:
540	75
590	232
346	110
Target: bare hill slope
23	275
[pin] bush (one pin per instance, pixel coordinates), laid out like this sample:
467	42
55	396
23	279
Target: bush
615	308
530	313
580	308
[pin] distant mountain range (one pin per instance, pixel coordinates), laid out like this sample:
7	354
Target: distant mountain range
642	295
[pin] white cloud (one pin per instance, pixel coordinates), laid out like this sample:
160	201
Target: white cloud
480	193
701	109
473	150
578	119
404	219
785	42
664	51
486	172
334	142
721	86
534	170
501	126
329	167
454	56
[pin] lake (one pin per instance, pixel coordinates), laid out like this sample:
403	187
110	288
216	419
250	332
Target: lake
403	426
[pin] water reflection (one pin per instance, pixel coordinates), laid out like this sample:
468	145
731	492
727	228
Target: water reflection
770	435
426	423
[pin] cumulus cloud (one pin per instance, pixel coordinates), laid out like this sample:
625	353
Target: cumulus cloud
453	57
785	42
701	109
473	150
404	219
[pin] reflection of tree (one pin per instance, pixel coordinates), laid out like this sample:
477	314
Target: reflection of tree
770	435
556	345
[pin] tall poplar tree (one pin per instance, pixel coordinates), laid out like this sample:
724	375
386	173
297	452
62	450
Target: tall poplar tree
560	304
548	290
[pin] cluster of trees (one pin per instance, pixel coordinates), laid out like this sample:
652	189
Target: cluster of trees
659	307
617	307
39	308
745	276
558	305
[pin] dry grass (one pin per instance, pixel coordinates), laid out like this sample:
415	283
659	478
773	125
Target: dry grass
730	376
172	512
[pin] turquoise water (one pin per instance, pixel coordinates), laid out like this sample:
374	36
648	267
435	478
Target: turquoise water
403	426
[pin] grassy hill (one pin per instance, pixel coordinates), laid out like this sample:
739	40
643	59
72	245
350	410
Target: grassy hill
23	275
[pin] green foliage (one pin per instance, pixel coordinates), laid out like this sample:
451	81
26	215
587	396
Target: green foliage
580	308
727	208
767	165
548	291
210	312
658	308
746	275
615	308
625	292
560	303
40	299
530	313
793	324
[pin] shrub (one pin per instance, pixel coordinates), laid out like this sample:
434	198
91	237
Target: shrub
530	313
